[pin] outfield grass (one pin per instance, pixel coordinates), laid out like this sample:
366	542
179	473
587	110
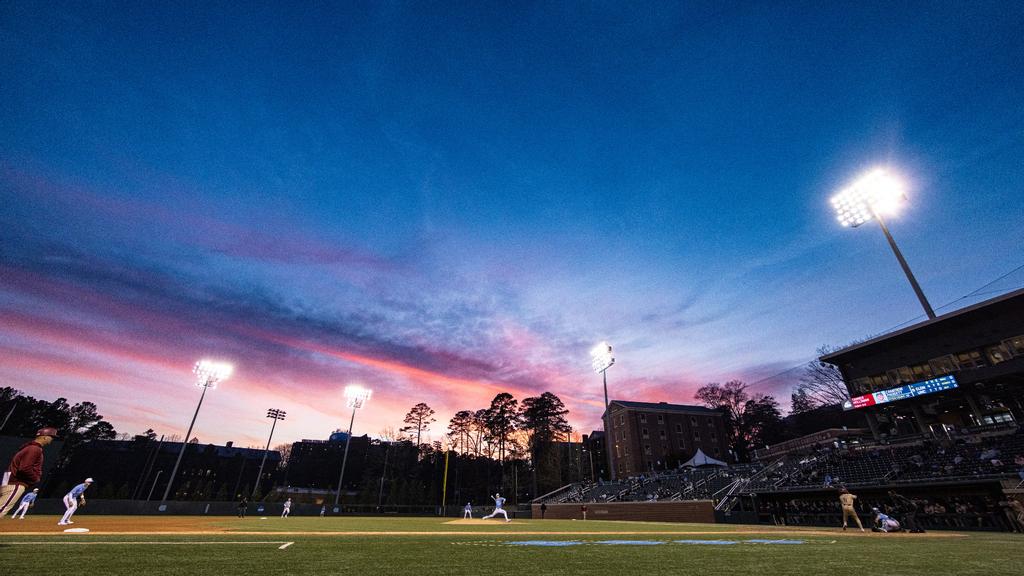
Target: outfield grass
426	546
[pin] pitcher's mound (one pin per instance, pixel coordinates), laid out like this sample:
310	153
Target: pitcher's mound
477	522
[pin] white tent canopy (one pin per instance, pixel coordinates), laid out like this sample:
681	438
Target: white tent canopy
702	459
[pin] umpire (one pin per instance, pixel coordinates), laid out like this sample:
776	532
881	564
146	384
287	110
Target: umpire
25	469
907	509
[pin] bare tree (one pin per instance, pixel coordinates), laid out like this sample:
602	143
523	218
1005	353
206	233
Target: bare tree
821	384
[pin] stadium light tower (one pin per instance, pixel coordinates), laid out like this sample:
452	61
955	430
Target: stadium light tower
208	375
357	396
601	360
276	415
874	194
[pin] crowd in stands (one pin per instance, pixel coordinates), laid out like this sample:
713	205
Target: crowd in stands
681	484
923	460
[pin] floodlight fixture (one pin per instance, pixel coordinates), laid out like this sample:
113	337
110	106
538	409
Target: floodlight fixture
601	360
209	373
872	196
875	194
601	357
357	395
276	415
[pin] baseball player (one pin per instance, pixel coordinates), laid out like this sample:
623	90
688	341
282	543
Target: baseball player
323	510
499	504
26	503
74	499
467	512
287	508
846	501
884	523
26	469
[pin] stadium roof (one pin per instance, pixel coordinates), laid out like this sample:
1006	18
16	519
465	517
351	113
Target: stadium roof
665	407
834	357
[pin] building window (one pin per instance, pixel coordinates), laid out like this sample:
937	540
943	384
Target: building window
647	449
970	359
713	437
1015	345
693	420
662	433
997	354
942	365
860	386
661	418
711	423
622	420
696	436
921	372
682	445
643	418
645	433
880	382
679	428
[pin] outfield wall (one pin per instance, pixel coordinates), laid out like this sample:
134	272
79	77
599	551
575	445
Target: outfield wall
685	511
54	506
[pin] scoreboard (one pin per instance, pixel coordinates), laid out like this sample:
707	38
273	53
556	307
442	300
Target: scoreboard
947	382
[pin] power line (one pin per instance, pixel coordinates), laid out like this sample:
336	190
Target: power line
976	292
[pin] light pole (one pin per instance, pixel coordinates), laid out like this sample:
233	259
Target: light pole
868	198
208	375
155	478
276	415
601	360
357	396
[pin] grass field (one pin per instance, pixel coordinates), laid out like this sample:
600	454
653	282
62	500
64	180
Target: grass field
151	546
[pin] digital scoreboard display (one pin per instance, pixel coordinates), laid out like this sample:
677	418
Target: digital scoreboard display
947	382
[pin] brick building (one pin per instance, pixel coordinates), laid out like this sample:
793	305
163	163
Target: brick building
648	436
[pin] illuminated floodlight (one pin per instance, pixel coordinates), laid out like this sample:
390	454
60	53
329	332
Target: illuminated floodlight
209	373
357	395
877	192
601	357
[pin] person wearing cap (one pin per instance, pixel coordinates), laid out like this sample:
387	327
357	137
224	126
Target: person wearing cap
25	469
73	500
846	501
26	503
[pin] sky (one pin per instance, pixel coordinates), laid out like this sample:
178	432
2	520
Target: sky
444	201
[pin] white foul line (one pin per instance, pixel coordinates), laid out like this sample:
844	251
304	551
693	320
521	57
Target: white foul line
177	543
285	545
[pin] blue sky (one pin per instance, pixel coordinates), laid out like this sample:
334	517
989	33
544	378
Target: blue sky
443	201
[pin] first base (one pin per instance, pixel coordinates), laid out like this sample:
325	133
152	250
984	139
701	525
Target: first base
77	530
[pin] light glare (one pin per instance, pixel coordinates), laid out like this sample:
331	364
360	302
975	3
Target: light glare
601	357
357	395
878	192
209	373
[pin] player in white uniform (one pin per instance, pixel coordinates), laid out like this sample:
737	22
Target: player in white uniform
287	508
74	499
26	502
467	512
499	504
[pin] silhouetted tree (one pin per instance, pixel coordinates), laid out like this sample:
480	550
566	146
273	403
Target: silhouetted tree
418	421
